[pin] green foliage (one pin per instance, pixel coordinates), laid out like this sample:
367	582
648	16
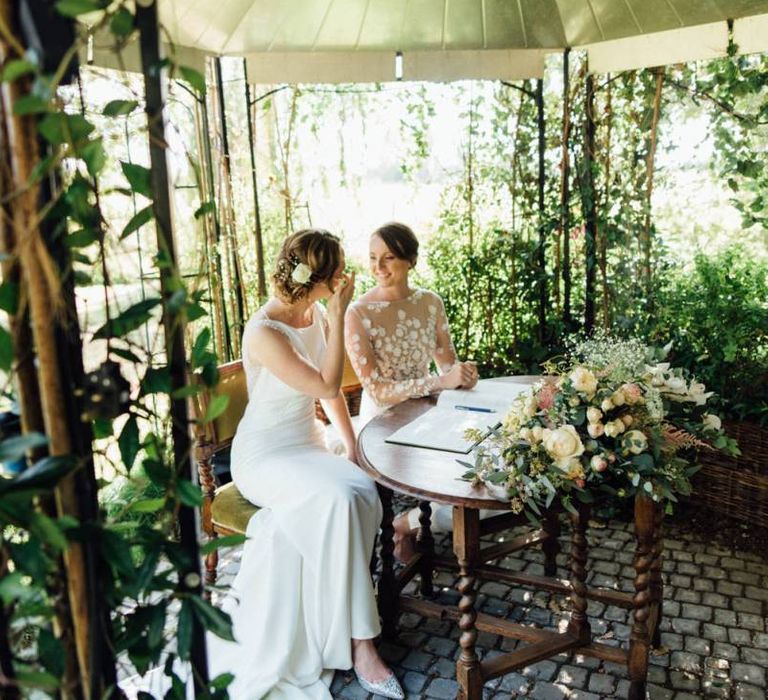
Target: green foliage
717	315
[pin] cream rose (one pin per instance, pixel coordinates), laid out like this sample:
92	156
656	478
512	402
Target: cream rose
711	421
614	428
594	414
595	430
598	463
634	442
536	433
301	273
607	405
583	380
563	444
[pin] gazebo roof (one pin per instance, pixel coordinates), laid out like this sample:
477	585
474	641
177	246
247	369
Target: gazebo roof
355	40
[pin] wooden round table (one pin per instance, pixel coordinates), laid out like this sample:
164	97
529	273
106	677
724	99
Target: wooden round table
434	475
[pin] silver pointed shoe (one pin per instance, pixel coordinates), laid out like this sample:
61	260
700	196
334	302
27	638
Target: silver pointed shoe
389	687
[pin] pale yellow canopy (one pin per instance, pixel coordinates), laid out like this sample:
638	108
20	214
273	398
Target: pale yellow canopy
356	40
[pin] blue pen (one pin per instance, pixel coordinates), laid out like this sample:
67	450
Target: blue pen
475	408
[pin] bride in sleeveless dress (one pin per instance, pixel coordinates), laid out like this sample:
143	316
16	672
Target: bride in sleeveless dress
302	603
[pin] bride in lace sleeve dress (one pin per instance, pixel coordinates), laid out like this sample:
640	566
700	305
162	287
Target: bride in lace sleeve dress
393	334
302	603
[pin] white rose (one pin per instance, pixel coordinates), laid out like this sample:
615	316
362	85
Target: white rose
574	401
594	414
301	273
525	434
607	405
583	380
598	463
530	406
711	421
595	430
697	393
634	442
536	433
614	428
676	385
563	444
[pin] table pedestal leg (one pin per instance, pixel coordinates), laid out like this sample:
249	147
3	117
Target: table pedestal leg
466	546
657	583
426	546
578	625
388	596
639	643
551	545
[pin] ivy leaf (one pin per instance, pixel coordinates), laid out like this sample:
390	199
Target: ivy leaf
129	320
219	542
16	68
129	442
212	619
115	108
194	78
51	652
127	355
189	494
157	380
47	530
147	505
9	297
139	177
58	128
137	221
30	104
6	350
121	23
94	155
200	347
80	239
73	8
216	407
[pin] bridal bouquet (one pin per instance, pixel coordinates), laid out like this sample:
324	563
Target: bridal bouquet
612	420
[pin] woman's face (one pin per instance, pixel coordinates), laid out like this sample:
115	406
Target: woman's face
387	269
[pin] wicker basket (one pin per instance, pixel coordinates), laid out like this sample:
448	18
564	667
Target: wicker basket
737	486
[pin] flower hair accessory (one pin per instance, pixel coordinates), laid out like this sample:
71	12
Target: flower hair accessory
302	273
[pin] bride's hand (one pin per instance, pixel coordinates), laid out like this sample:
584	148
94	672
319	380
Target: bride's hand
461	375
342	295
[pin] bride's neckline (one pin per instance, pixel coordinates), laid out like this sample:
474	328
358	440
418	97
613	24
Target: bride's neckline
267	317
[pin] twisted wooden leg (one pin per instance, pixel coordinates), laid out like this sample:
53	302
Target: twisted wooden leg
425	544
466	545
551	546
387	589
639	641
578	625
657	583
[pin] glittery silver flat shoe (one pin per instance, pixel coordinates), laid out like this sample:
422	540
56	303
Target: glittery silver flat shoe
389	687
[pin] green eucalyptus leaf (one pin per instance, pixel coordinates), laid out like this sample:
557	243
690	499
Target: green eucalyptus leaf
116	108
200	346
81	238
94	155
219	542
138	220
6	350
129	442
127	355
129	320
16	68
216	407
39	680
147	505
30	104
212	618
194	78
189	494
122	23
139	177
59	127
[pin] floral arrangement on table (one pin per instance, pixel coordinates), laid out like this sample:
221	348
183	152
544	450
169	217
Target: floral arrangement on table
610	420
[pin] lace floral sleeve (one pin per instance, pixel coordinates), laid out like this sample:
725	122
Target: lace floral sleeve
385	388
445	353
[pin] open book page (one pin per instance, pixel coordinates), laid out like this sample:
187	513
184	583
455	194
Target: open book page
443	427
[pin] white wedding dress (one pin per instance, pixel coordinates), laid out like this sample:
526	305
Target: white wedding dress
304	588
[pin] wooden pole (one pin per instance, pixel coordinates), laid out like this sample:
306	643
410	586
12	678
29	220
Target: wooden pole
262	280
565	192
154	77
541	256
591	205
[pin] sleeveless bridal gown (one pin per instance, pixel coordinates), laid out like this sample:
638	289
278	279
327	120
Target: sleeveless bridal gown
304	589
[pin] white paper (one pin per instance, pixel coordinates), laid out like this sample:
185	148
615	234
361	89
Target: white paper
443	427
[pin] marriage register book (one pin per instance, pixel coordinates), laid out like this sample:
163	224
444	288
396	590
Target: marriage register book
443	427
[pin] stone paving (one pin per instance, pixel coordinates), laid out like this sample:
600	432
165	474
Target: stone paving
714	631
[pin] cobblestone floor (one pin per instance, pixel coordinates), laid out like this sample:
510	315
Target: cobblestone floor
715	631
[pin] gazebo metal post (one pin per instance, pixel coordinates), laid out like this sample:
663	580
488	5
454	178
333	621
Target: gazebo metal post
249	109
565	194
591	205
541	255
189	579
230	239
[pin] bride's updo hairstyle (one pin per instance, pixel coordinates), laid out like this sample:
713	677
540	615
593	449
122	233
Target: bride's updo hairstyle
400	240
307	257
